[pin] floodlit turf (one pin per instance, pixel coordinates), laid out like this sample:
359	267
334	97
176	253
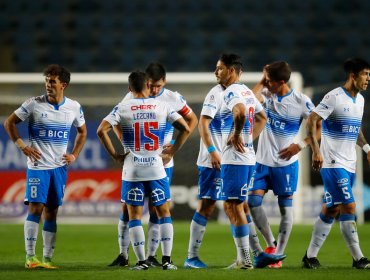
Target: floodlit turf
84	251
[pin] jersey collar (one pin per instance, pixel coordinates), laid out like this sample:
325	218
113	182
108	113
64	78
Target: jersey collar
56	106
347	93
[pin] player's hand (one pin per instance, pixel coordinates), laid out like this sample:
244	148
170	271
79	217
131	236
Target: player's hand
237	142
68	159
290	151
215	160
166	158
317	161
32	153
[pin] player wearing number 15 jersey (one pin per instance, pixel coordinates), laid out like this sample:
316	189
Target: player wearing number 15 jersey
143	121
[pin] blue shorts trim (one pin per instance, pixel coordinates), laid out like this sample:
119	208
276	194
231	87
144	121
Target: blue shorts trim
46	186
210	183
281	180
235	181
133	193
338	184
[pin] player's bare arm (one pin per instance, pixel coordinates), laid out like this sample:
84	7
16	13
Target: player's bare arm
11	128
205	134
295	148
317	159
260	120
361	141
104	138
239	112
79	143
191	120
257	89
184	132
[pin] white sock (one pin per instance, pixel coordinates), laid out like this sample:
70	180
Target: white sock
242	243
153	239
31	231
286	224
137	239
123	238
349	231
49	232
166	235
197	230
320	232
260	220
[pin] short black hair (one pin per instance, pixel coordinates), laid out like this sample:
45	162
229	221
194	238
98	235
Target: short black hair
137	81
156	71
56	70
232	60
355	65
279	71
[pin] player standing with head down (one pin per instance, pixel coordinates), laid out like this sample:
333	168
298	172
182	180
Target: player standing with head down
210	182
143	121
51	117
277	159
341	111
243	119
157	81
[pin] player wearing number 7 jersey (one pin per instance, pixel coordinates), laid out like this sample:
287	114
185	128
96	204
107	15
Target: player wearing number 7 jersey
143	121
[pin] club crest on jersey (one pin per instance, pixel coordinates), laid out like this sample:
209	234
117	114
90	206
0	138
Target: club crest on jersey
230	96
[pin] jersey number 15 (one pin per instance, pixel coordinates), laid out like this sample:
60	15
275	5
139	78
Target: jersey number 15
143	130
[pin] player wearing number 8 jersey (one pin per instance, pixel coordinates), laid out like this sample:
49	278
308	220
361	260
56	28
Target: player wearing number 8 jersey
341	111
51	117
143	121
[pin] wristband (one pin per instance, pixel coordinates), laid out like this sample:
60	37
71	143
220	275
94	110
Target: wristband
366	148
211	149
172	142
20	144
302	144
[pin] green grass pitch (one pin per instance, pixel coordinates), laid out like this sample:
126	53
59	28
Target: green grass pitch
83	252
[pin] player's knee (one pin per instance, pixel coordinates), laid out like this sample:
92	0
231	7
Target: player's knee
254	200
285	201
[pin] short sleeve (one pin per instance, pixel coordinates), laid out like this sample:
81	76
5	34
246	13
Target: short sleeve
114	117
79	116
307	106
211	104
26	109
326	106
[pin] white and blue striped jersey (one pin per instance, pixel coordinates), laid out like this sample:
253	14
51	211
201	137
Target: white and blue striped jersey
342	117
284	117
235	94
143	123
49	128
211	108
176	101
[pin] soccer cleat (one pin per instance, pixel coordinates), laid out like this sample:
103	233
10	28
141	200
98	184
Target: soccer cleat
152	261
140	266
119	261
169	266
310	263
362	263
47	263
264	259
32	262
194	263
240	265
272	250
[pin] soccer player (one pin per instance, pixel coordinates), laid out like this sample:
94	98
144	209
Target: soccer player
341	111
210	182
50	119
242	119
143	121
157	81
277	159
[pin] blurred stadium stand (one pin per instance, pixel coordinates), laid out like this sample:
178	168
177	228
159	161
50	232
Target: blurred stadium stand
117	36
